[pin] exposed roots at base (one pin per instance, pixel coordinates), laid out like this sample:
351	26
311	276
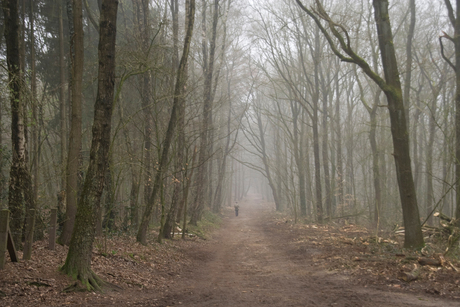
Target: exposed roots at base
91	282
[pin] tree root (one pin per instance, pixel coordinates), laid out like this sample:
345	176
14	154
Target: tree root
90	282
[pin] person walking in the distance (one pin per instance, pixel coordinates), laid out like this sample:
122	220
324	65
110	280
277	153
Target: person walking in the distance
236	208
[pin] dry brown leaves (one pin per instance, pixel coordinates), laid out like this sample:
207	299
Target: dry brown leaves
117	260
379	259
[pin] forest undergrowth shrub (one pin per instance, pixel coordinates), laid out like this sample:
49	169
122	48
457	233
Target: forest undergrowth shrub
209	222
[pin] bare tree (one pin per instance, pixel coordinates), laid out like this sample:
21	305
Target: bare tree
391	86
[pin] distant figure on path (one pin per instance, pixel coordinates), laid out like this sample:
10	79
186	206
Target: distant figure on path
236	208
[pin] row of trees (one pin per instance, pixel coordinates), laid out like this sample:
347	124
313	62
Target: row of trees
319	121
165	120
296	91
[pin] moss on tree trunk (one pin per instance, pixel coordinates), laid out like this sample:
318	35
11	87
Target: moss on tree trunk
78	261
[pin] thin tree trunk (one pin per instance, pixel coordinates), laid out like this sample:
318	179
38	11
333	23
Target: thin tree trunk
33	85
180	82
266	163
134	190
144	25
62	118
408	78
298	156
178	178
325	154
74	10
31	182
338	128
222	171
208	68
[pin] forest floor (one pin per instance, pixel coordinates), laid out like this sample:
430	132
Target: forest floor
258	258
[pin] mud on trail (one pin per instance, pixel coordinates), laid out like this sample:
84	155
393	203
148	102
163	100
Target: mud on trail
258	260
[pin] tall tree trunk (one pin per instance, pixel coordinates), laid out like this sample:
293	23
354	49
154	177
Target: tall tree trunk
78	261
415	150
411	216
432	110
408	75
62	110
338	128
375	160
108	223
457	111
325	154
208	68
74	11
429	161
144	25
135	177
31	180
454	17
222	171
349	172
178	178
372	110
15	192
316	145
33	86
2	160
20	181
179	88
298	156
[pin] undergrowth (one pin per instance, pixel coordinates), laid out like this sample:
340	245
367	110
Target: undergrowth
208	223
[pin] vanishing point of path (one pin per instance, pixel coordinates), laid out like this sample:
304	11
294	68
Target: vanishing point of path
247	263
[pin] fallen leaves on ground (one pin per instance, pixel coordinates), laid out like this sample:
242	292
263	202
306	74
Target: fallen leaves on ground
117	260
377	258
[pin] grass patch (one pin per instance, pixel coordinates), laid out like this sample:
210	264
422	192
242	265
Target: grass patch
208	223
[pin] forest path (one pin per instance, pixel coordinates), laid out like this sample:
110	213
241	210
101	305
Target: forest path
251	262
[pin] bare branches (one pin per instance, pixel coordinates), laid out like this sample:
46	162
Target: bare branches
344	42
326	34
442	50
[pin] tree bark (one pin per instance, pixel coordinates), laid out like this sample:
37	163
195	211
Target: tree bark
411	216
298	156
36	121
340	173
325	154
78	261
144	25
454	17
266	163
18	164
316	145
222	171
408	78
178	179
62	109
74	10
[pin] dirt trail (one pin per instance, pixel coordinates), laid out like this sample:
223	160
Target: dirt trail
249	262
